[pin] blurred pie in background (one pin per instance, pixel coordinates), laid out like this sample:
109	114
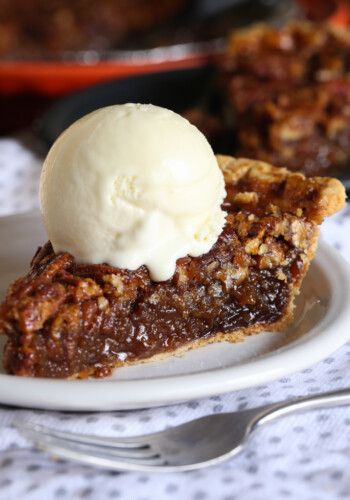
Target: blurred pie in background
283	96
289	93
37	27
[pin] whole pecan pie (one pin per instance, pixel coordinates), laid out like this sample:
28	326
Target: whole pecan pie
68	320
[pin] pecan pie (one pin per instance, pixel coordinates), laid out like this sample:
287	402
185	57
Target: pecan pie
289	91
69	320
38	28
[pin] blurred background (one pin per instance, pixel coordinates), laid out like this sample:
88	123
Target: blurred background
51	49
64	58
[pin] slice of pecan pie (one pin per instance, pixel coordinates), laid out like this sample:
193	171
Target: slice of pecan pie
68	320
289	90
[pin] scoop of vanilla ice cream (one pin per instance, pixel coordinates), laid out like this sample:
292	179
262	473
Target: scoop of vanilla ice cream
130	185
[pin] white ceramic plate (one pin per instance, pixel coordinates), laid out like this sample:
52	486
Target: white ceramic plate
321	325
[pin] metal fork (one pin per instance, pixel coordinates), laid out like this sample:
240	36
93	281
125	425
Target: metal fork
200	443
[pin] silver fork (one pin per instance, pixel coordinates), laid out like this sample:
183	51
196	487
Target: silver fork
200	443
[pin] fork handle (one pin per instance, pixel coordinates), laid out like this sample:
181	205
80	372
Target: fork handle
323	400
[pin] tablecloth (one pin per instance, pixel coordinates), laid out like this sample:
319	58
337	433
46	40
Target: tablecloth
304	456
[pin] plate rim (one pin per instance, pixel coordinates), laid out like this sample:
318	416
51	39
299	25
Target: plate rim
162	390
